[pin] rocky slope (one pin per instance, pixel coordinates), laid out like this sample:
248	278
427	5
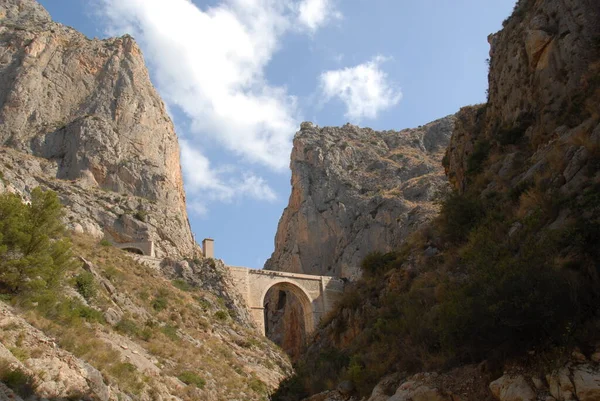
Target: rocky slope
88	107
81	118
355	191
577	380
142	337
498	298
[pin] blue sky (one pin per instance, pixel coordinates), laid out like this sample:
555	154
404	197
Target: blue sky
238	77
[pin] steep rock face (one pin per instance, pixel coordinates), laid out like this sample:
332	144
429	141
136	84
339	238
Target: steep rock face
543	96
530	159
88	107
354	191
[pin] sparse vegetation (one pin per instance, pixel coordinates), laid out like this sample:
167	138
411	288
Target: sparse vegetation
141	215
192	379
36	264
485	296
17	380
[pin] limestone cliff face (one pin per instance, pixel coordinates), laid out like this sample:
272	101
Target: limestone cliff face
355	191
543	99
88	107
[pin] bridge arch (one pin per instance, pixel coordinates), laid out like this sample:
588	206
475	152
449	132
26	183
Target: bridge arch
301	295
317	294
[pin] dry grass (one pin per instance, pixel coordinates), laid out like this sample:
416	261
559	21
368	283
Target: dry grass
184	335
583	138
531	200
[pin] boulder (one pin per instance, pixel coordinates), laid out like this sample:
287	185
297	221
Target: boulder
512	388
587	383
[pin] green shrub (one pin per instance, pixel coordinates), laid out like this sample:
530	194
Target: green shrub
351	299
56	307
17	380
89	314
146	334
192	379
377	263
160	303
514	134
478	157
170	332
128	327
458	215
182	285
258	386
105	243
19	353
510	136
34	252
291	388
504	304
141	215
222	315
85	285
204	304
355	370
446	161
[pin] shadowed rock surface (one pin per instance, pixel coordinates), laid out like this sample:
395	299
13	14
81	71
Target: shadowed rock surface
525	169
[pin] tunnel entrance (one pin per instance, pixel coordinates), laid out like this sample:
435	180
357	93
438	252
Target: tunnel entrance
133	250
286	311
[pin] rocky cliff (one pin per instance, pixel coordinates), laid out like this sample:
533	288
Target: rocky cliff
88	109
355	191
543	100
132	334
497	298
80	318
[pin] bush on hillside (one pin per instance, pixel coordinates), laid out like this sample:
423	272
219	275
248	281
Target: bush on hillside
192	379
34	252
504	305
458	215
16	379
476	159
486	295
85	285
377	263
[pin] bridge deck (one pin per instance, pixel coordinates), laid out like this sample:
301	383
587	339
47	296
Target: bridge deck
276	273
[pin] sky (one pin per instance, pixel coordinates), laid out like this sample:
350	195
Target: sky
239	76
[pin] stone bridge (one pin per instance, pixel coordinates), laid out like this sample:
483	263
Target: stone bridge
317	294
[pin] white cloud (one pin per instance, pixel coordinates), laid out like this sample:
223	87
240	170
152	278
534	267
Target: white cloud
315	13
223	185
364	89
210	64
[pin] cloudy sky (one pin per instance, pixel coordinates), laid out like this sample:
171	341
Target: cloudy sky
238	77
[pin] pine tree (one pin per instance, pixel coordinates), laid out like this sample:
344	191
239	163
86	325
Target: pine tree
34	252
